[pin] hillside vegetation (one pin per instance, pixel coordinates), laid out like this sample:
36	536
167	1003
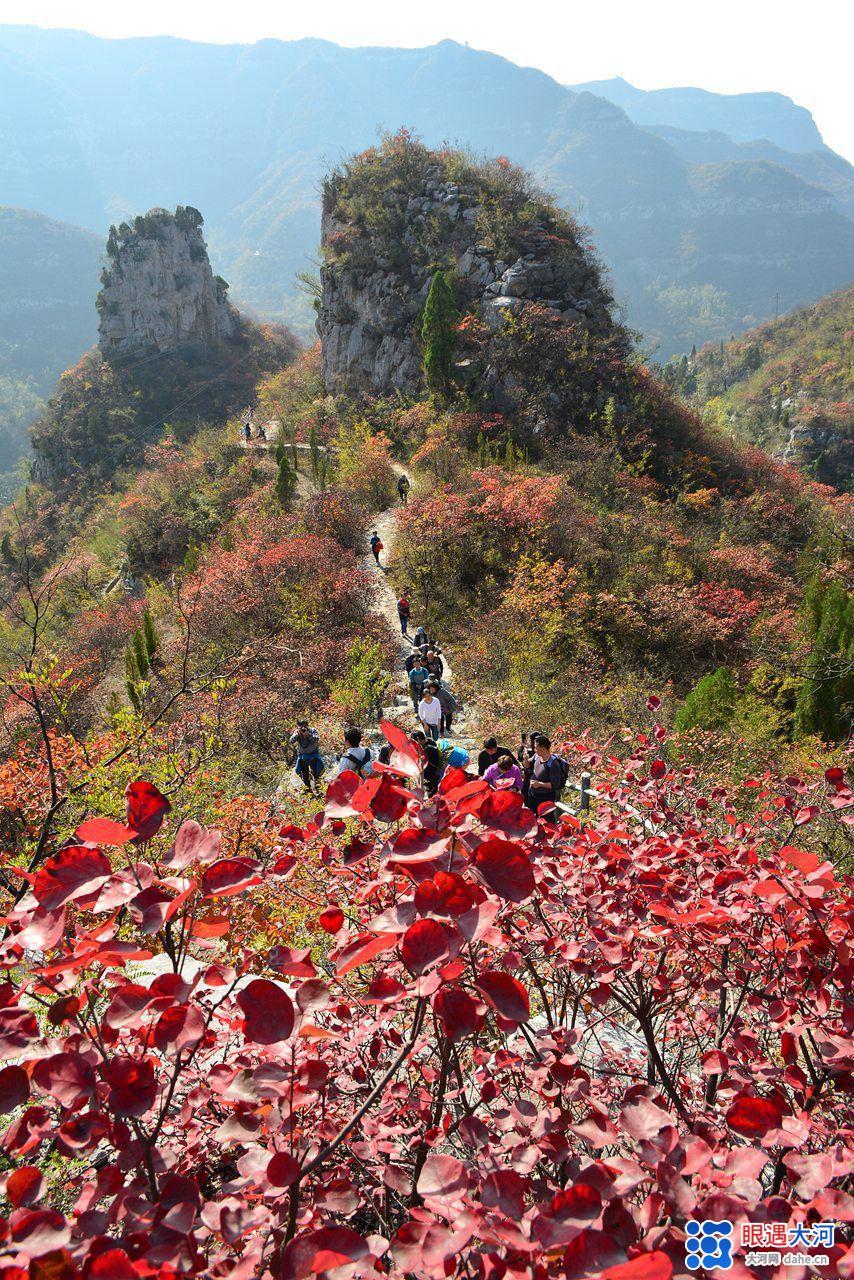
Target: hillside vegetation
787	385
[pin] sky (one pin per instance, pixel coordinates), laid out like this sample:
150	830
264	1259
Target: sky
802	49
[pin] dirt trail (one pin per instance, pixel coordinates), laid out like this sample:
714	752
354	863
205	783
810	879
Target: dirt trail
400	706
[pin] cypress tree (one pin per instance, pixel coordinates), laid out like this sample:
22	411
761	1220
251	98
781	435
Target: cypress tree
710	704
439	335
825	704
285	481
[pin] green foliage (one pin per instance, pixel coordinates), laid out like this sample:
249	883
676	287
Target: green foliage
286	479
711	703
361	687
439	335
825	705
364	466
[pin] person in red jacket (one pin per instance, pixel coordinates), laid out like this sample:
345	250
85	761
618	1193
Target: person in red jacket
404	613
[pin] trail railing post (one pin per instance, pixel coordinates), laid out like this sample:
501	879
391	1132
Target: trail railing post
584	799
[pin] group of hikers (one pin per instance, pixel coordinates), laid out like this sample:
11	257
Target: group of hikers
534	770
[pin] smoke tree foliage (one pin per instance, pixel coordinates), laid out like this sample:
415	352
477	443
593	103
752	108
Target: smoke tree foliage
514	1048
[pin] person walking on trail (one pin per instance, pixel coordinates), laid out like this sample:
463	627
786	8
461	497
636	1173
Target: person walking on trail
434	664
418	677
547	777
403	489
414	660
421	638
309	762
490	755
376	546
247	430
504	775
527	756
356	758
432	771
430	713
447	702
404	613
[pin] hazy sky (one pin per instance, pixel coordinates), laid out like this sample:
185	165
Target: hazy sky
802	49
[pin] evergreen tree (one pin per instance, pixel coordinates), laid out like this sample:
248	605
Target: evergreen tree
314	449
439	335
710	704
150	636
285	481
825	704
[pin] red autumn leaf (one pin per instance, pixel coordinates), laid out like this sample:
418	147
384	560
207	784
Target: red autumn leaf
381	798
228	876
425	943
146	808
291	962
579	1203
384	990
506	811
835	776
68	1077
505	868
317	1252
752	1117
505	994
181	1026
132	1085
14	1088
443	1176
454	777
647	1266
365	948
504	1189
18	1030
69	874
456	1011
657	769
283	1170
444	894
104	831
112	1264
331	919
339	795
126	1005
25	1186
38	1231
268	1012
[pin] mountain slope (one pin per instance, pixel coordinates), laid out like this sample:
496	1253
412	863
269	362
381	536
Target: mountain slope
787	385
246	132
743	116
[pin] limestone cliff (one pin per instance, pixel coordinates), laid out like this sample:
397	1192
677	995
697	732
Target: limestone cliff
158	291
394	215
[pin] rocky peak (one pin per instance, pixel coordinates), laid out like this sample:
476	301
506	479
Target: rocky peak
158	291
392	216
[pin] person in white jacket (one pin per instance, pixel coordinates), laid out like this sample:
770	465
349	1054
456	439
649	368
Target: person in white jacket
430	714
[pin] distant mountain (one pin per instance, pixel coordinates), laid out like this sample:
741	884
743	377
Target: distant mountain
744	117
93	130
787	385
48	282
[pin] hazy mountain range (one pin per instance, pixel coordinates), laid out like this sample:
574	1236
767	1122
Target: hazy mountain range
710	210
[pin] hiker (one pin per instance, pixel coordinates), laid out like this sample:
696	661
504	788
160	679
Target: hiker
527	756
262	434
356	758
309	762
247	431
421	638
430	713
414	660
376	546
418	677
505	774
456	757
447	702
547	774
432	771
404	613
403	489
434	664
490	753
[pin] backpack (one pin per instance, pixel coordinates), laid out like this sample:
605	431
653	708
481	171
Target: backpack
563	768
359	766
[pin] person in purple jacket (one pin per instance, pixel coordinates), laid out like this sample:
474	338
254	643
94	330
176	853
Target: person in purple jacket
504	775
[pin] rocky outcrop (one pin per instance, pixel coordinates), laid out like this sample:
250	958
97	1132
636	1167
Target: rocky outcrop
383	242
158	291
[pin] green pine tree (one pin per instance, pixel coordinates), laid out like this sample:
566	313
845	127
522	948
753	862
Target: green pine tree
314	450
285	481
439	336
149	634
710	704
825	704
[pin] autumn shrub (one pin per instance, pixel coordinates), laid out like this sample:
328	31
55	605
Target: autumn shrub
504	1045
364	468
